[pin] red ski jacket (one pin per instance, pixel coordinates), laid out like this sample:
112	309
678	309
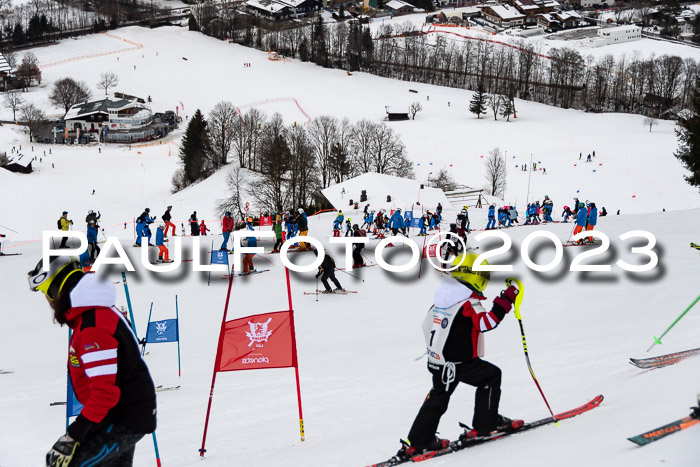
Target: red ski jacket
227	224
108	374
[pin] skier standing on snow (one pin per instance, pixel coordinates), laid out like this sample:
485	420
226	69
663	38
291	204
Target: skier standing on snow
108	375
226	228
580	219
203	229
357	260
303	227
567	213
592	218
348	227
452	330
163	254
142	229
455	247
91	216
278	236
423	225
396	222
327	271
92	240
64	224
492	218
194	226
166	218
248	257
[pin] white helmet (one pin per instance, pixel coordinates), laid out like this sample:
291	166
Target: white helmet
91	211
300	211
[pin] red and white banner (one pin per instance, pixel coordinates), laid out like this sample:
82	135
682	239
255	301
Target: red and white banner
258	342
265	221
429	251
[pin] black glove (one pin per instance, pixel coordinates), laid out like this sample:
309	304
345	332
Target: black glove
62	452
695	412
142	341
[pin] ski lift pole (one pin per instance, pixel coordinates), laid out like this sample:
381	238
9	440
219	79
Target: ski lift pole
518	301
657	340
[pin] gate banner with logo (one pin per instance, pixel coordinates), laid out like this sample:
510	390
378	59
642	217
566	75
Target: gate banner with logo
265	221
429	251
164	330
257	342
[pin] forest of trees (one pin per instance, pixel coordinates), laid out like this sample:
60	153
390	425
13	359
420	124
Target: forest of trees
291	163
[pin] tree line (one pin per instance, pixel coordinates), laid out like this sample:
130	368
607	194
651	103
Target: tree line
290	163
559	76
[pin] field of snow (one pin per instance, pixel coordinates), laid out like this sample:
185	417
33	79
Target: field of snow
360	385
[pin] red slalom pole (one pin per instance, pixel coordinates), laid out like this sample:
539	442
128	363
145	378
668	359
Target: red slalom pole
296	362
216	365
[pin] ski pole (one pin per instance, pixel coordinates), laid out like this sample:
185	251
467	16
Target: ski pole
657	340
518	301
7	228
143	351
316	288
351	275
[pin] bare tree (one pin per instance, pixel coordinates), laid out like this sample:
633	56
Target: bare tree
10	56
495	173
233	202
415	108
651	122
13	100
108	79
494	102
323	133
222	120
32	117
444	181
67	92
28	71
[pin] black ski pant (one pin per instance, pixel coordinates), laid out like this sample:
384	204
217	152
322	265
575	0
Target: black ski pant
485	376
278	244
111	446
357	255
63	242
330	275
95	250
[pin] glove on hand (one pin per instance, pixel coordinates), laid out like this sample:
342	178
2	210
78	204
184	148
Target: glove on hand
62	452
510	293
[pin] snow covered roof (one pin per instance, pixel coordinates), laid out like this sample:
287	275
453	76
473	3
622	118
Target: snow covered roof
267	5
404	193
396	109
568	15
291	3
4	66
397	4
21	160
506	12
102	105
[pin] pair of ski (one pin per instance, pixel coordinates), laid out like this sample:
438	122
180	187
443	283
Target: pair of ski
458	445
335	292
10	254
585	243
663	360
250	273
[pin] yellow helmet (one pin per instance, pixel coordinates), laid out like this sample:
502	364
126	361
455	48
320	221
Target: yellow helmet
51	280
477	280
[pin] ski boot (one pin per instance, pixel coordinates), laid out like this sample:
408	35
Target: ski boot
407	451
327	291
339	289
506	425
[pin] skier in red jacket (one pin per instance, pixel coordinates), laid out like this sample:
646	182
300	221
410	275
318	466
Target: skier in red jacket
226	229
107	372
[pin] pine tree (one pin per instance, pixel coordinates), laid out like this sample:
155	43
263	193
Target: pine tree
195	150
689	138
478	103
192	24
507	109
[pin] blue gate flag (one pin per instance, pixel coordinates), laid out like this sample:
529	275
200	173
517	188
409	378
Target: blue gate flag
219	257
415	222
73	407
162	331
408	215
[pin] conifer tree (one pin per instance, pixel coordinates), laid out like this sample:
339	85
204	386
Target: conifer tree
689	138
195	150
478	103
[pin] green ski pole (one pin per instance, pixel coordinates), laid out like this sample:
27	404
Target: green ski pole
657	340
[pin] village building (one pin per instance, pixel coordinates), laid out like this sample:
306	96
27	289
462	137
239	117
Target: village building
504	16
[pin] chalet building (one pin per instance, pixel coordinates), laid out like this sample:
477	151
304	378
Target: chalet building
121	118
504	16
532	8
5	72
398	7
394	113
559	20
19	163
277	10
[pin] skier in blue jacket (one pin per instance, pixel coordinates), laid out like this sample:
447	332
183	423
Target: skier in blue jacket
567	213
338	222
92	240
492	218
592	218
396	222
